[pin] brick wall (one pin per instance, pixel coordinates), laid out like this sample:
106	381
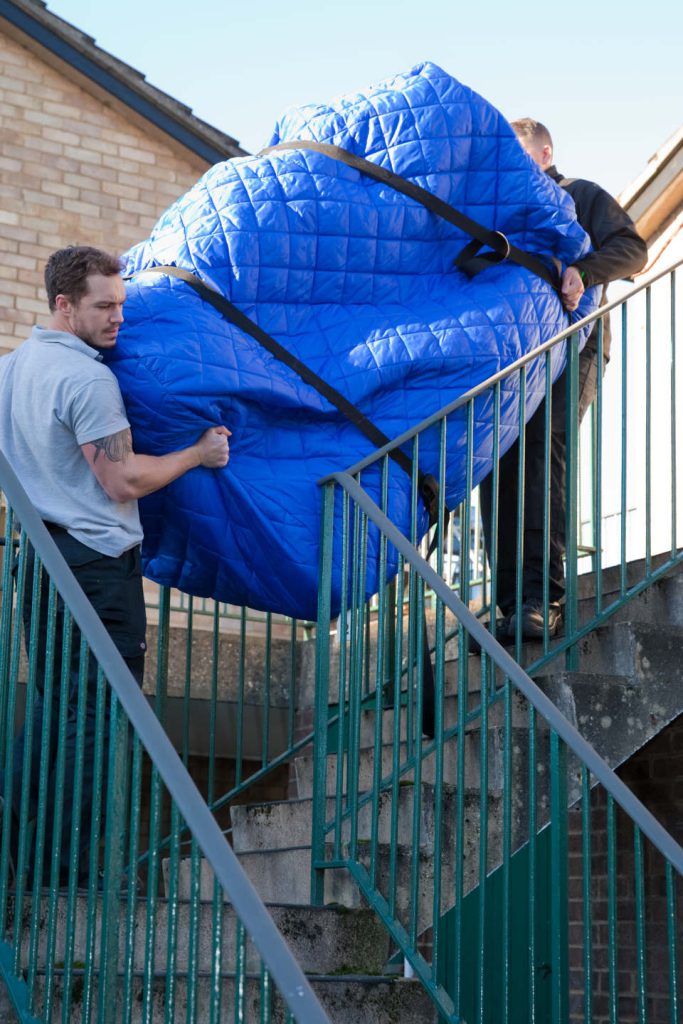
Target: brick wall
72	170
655	774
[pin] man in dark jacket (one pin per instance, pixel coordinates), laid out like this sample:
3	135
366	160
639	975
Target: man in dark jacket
618	252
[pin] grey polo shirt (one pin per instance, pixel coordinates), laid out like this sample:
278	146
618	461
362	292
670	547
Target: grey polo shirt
55	395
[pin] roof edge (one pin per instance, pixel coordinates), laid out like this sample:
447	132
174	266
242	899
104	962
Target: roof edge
31	19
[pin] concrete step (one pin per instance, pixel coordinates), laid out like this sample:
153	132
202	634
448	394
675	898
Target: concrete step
346	999
284	874
287	824
324	940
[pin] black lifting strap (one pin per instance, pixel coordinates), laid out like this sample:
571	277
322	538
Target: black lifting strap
428	486
468	259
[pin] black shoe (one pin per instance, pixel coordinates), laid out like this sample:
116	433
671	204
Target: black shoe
503	635
533	620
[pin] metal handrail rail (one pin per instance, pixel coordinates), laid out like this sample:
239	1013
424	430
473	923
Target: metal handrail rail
288	976
507	371
599	768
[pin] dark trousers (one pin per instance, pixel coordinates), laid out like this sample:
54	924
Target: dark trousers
114	588
534	496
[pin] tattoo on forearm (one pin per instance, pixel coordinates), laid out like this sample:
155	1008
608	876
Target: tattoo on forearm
116	447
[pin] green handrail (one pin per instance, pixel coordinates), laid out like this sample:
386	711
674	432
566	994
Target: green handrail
378	667
168	768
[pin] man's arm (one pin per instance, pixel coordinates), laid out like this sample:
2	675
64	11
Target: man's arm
124	475
618	249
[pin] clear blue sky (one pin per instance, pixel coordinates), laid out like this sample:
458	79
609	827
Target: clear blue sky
606	77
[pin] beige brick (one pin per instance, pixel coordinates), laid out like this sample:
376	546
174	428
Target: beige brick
21	234
46	122
24	318
63	112
23	286
116	188
8	273
59	188
89	156
9	193
57	135
12	53
134	206
40	198
9	116
142	156
94	182
27	72
24	102
84	209
103	201
67	163
40	223
131	180
8	245
10	83
43	145
8	217
36	250
48	92
19	260
10	164
29	305
123	166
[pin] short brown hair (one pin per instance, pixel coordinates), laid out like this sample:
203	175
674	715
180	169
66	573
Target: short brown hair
67	270
527	128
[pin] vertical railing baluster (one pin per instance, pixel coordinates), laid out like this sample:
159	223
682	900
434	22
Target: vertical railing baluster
587	896
240	972
571	614
559	884
597	484
216	953
672	943
213	706
380	657
674	466
322	669
482	962
495	496
172	915
399	591
267	682
519	534
75	837
437	696
639	897
49	685
624	446
129	963
612	930
342	699
506	919
241	684
533	861
547	439
648	432
58	813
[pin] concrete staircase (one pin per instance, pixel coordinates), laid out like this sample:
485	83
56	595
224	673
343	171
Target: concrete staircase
628	686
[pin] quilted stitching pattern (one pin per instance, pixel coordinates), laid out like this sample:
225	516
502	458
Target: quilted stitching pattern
357	281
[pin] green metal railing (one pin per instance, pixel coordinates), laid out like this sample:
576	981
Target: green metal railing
83	935
515	872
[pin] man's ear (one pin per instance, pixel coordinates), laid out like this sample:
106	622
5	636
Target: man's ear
63	304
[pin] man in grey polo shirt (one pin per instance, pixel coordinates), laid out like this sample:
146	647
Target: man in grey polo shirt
64	431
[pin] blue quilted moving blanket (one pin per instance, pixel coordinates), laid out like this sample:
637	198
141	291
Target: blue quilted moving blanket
358	282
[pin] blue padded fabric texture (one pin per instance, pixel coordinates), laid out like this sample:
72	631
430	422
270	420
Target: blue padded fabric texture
358	282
